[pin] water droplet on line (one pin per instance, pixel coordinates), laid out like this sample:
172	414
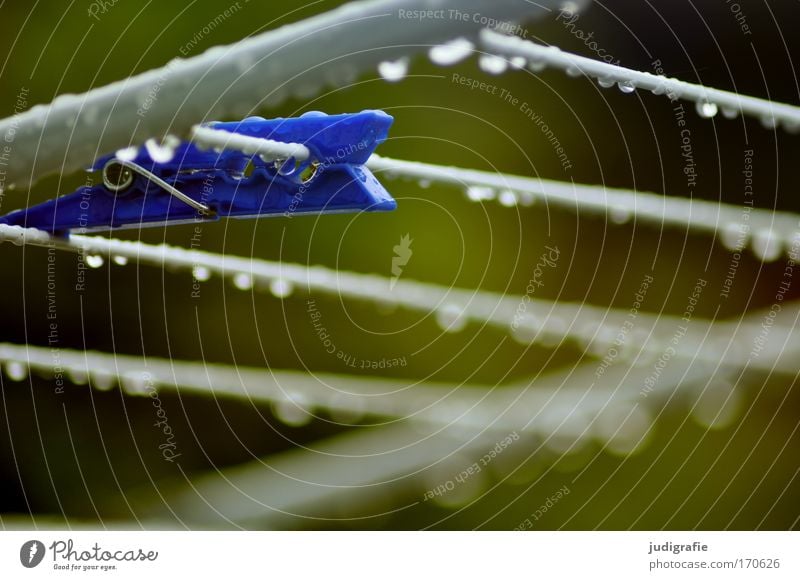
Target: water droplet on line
451	52
729	113
624	429
394	71
766	245
606	82
120	260
769	122
135	383
127	154
243	281
508	198
492	64
77	377
201	273
281	288
706	110
16	371
94	261
734	236
517	62
292	411
626	87
525	328
717	406
537	66
451	318
480	193
619	214
103	381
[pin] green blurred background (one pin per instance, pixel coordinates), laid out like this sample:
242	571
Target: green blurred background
621	140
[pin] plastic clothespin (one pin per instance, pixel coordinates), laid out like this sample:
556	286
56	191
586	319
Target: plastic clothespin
156	185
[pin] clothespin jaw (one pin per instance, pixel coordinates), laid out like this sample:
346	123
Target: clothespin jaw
153	185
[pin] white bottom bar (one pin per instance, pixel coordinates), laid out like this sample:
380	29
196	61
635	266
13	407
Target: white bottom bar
354	555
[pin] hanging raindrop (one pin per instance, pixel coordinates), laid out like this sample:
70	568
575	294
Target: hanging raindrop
94	261
292	410
706	109
626	87
508	198
493	64
766	245
281	288
394	71
16	371
201	273
451	52
451	318
480	193
243	281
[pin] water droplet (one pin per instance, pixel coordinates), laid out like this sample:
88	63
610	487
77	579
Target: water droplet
127	154
791	126
292	411
706	109
734	236
525	328
626	87
120	260
619	214
517	62
564	429
480	193
451	318
623	428
493	64
569	8
659	89
103	381
729	113
766	245
243	281
136	383
77	377
717	406
554	332
424	183
451	52
573	71
450	482
508	198
94	261
160	152
526	198
201	273
16	371
394	71
606	82
281	288
769	121
537	66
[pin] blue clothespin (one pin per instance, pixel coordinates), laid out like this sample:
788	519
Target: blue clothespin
192	184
